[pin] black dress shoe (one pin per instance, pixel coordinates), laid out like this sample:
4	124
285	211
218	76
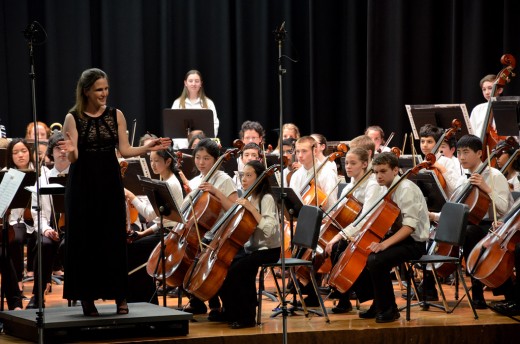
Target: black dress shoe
196	307
217	315
480	304
343	306
242	324
510	309
369	313
389	315
33	304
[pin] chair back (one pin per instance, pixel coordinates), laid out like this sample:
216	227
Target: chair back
308	227
452	224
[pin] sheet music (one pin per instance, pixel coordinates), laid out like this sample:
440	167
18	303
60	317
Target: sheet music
8	188
144	166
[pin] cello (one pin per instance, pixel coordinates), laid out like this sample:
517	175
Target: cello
492	260
380	217
206	275
489	134
181	244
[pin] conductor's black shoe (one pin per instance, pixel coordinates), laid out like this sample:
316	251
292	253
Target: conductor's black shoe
217	315
369	313
389	315
33	304
343	306
242	324
196	310
480	304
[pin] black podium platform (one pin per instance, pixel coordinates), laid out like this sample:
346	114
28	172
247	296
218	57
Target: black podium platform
67	324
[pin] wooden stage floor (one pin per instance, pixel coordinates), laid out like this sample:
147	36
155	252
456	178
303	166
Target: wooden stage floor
432	326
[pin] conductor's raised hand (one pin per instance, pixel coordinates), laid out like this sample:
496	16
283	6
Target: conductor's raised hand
159	144
66	145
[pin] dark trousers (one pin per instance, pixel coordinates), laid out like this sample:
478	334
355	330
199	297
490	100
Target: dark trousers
473	235
239	293
337	250
141	286
375	281
16	249
10	283
49	253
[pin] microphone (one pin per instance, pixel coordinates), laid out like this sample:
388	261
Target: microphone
280	32
35	33
282	28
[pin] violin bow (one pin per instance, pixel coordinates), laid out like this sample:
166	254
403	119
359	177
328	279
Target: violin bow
201	244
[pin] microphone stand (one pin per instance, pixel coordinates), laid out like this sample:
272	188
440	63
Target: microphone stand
34	34
279	38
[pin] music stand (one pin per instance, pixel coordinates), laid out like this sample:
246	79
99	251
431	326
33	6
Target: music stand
136	168
293	204
21	199
163	204
431	189
3	160
440	115
406	161
506	113
178	123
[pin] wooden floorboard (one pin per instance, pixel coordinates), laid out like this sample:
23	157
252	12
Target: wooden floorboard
432	326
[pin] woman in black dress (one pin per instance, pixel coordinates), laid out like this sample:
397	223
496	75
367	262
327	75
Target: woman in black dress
95	262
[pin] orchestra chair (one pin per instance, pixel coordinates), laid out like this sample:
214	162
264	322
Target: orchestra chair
306	237
450	230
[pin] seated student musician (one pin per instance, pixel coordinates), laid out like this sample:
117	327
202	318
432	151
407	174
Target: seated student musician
250	131
377	135
478	114
326	179
289	131
292	165
238	293
429	135
448	148
250	152
19	156
49	220
321	145
512	171
491	182
141	285
219	185
405	240
367	193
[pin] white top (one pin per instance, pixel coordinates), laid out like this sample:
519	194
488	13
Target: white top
414	211
267	232
477	117
514	181
498	183
146	209
197	104
452	174
46	204
327	182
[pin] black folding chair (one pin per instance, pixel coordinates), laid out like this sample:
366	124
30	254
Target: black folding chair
306	236
450	230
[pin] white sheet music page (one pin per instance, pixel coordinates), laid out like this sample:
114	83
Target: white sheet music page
8	188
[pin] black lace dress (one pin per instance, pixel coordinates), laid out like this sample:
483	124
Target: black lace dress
95	254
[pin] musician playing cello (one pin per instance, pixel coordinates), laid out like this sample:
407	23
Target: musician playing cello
491	182
238	293
405	240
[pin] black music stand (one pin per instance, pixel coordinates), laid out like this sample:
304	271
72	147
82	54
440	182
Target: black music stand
163	204
431	189
440	115
506	113
178	123
21	199
135	168
406	161
293	204
3	160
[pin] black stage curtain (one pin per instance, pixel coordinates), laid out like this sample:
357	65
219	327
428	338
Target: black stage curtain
359	61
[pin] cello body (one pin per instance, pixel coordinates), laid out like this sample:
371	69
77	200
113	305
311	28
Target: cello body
354	258
492	260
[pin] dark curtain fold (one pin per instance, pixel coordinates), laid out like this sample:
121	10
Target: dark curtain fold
359	61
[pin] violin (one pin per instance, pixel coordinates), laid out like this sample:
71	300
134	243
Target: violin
380	217
492	260
489	134
182	243
232	231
